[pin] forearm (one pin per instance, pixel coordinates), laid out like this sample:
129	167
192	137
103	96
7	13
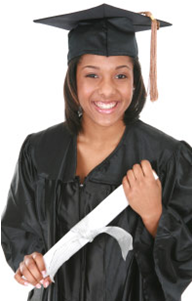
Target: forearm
152	223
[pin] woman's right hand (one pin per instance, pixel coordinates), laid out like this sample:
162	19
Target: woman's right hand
32	270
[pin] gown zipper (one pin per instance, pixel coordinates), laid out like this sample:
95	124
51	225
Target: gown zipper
83	250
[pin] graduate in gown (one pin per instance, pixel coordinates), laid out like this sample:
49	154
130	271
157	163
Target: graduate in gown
65	171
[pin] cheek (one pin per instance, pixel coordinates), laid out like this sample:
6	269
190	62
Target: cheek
84	90
127	93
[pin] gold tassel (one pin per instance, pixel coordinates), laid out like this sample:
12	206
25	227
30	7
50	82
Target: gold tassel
153	90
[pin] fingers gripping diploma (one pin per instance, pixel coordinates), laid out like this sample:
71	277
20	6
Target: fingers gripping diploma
32	271
144	193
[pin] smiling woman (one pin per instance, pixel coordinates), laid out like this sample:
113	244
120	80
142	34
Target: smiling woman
64	172
125	71
104	92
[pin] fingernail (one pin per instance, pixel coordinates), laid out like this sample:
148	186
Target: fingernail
26	283
44	274
38	286
42	281
46	284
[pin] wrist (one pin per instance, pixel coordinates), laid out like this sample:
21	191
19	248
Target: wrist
151	222
152	218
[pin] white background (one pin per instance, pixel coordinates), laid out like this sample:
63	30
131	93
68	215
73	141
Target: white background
32	70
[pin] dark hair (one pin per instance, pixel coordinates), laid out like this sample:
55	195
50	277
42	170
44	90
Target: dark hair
72	104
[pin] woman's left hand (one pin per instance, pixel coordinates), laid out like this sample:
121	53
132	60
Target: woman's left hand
144	194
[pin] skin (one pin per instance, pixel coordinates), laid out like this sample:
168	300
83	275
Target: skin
32	271
102	81
107	80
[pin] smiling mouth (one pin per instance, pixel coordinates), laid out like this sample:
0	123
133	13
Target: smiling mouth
105	105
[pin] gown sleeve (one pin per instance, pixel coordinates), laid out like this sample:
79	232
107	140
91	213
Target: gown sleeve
166	261
21	232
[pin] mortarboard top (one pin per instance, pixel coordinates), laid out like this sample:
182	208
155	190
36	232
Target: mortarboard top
102	30
99	28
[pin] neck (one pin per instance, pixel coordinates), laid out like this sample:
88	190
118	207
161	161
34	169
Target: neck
102	135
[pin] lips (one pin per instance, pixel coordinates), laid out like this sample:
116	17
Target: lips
106	107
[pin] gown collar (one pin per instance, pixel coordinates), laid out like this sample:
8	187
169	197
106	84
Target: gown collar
55	157
109	171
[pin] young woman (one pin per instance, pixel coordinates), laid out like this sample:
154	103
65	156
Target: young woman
64	172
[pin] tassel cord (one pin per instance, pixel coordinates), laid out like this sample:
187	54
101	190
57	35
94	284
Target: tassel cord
153	89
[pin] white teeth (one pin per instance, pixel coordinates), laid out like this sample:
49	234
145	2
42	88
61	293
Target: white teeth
105	105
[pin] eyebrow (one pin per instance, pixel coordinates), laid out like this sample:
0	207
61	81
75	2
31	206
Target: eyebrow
90	66
96	67
123	66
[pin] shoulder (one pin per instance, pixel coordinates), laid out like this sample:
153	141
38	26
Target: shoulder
154	143
48	147
151	135
50	140
48	136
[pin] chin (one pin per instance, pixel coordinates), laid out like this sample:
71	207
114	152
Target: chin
108	123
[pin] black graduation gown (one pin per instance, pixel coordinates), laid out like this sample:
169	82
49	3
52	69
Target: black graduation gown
45	201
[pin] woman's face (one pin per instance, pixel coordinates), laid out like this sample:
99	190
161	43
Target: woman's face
105	88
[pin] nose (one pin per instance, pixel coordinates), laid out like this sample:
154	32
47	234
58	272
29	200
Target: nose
106	88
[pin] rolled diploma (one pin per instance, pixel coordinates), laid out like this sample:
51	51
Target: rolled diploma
87	229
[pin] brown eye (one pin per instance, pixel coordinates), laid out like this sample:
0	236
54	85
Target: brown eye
121	76
92	75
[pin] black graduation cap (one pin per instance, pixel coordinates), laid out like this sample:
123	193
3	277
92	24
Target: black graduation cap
102	30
